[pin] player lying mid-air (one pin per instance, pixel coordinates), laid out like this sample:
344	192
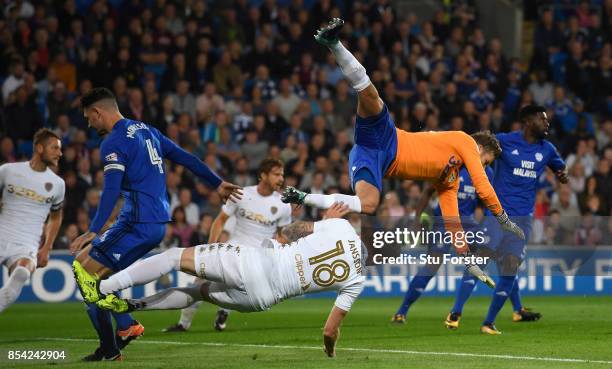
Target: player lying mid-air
306	257
259	215
382	150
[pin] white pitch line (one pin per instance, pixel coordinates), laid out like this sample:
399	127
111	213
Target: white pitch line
385	351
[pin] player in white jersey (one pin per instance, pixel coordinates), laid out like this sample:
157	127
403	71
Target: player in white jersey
306	257
31	191
258	215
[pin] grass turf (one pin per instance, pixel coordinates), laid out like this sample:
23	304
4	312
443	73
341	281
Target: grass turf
290	336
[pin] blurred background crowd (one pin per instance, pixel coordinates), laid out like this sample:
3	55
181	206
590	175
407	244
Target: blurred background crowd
234	82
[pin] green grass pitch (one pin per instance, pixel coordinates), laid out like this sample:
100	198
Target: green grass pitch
289	335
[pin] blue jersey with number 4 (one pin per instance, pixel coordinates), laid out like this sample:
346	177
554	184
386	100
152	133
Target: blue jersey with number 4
518	168
138	150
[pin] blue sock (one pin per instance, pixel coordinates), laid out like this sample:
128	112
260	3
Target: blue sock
92	311
105	330
515	296
416	288
123	320
502	291
468	283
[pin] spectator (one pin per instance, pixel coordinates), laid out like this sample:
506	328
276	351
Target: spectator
541	89
65	71
254	149
209	102
201	234
586	158
22	117
482	98
286	100
183	100
226	74
14	80
588	234
7	150
181	228
565	202
58	102
263	82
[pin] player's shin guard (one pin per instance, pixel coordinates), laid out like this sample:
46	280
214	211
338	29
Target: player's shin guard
188	313
12	288
353	71
502	291
326	201
468	283
143	271
515	296
416	288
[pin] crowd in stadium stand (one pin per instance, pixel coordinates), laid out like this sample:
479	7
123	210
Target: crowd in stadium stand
234	82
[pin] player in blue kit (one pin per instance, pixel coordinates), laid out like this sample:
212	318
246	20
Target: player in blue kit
468	200
525	156
133	156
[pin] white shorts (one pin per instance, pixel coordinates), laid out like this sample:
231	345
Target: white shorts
221	265
11	252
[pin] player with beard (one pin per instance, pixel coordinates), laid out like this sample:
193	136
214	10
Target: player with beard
258	215
31	192
133	156
306	257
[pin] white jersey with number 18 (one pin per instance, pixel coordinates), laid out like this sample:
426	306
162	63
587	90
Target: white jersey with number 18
328	259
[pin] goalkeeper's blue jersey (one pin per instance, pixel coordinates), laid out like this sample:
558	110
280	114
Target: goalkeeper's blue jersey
138	150
518	168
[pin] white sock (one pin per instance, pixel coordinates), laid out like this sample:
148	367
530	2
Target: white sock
173	298
12	288
143	271
188	313
353	71
326	201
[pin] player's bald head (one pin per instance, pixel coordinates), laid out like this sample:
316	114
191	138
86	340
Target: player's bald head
99	97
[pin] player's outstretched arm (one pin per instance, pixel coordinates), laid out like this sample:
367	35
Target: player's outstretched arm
176	154
331	331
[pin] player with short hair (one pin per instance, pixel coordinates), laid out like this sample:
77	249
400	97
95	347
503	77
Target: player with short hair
31	192
526	154
306	257
133	156
382	150
258	215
